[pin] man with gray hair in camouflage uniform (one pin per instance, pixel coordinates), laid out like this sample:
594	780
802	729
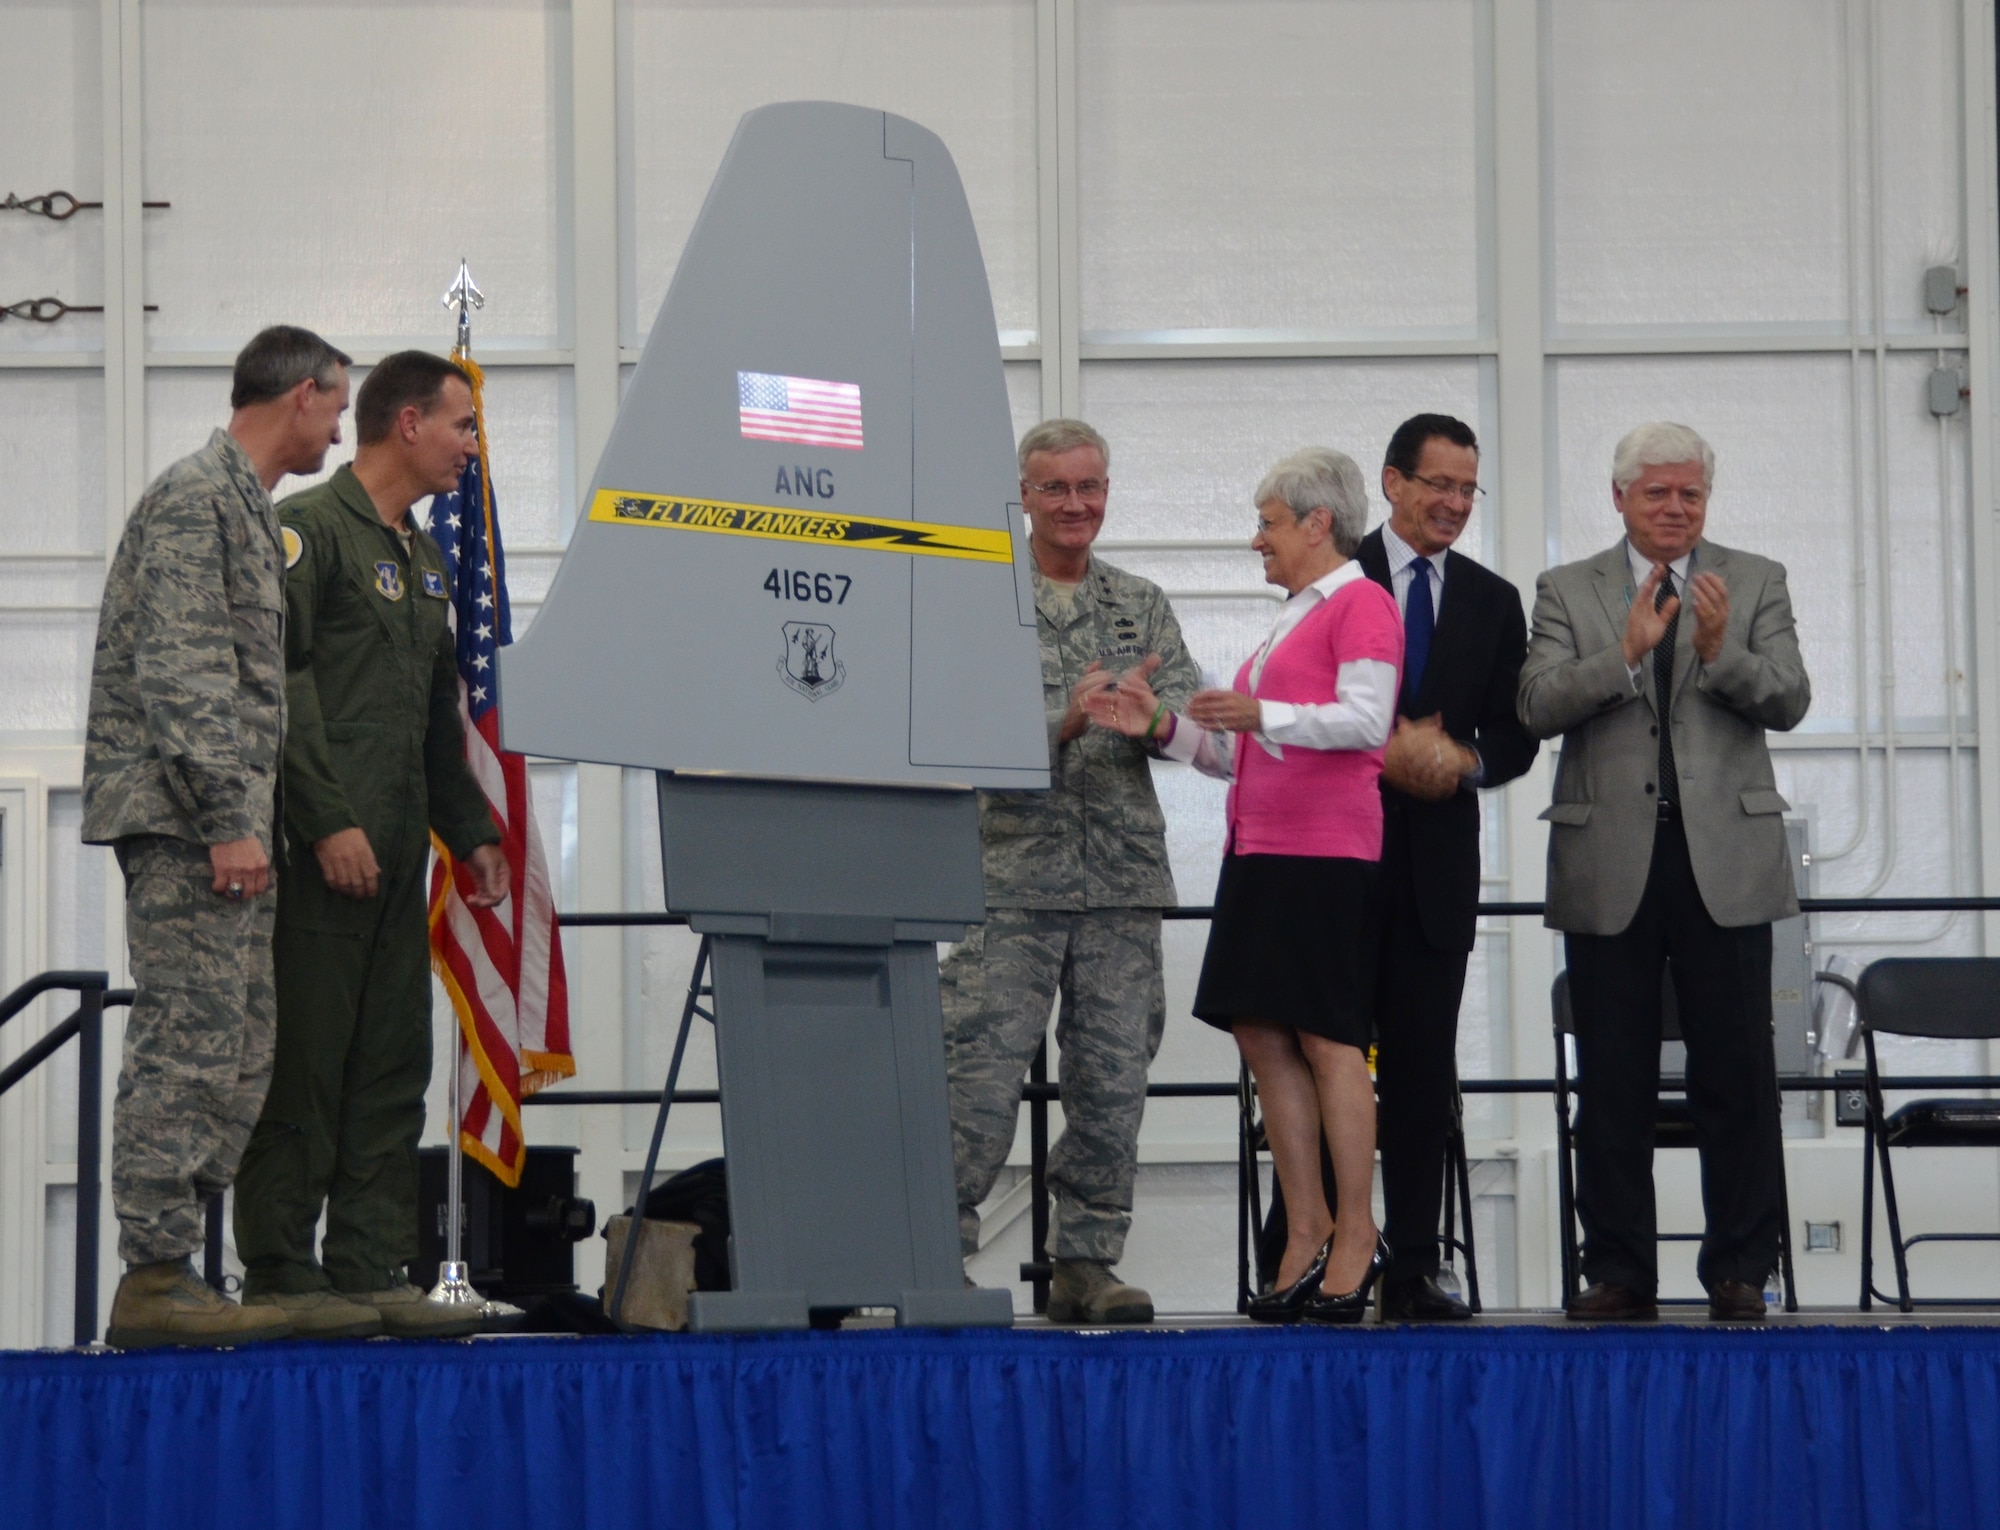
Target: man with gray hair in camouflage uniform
180	774
1075	880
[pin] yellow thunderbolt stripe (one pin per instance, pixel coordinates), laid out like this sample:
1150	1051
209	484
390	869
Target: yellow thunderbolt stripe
817	528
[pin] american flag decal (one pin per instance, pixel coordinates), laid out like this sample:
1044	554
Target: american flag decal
804	410
502	967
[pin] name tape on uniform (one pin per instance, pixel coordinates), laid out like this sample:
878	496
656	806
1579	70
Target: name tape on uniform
815	528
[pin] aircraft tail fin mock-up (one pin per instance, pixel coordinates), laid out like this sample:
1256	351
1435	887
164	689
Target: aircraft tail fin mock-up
803	554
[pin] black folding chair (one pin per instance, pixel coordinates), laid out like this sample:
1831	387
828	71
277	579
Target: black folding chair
1949	997
1673	1127
1260	1234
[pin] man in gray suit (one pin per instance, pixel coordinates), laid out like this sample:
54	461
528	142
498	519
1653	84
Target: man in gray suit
1667	843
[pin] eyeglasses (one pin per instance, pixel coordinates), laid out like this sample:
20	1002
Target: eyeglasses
1088	488
1471	493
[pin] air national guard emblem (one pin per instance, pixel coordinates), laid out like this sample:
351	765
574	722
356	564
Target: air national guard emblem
389	579
809	666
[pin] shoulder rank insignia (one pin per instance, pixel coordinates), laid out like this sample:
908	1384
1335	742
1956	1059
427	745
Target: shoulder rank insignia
389	579
434	584
294	545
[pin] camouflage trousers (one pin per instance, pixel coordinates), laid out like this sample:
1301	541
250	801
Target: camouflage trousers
198	1044
997	988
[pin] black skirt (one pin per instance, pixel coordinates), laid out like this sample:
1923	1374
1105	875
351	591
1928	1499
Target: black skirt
1294	940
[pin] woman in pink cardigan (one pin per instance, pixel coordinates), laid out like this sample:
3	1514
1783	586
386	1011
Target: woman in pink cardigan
1290	969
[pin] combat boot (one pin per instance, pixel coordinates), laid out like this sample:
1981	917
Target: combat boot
321	1314
408	1313
1085	1291
167	1303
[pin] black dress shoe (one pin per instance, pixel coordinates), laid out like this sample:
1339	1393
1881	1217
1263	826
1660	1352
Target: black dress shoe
1735	1301
1353	1305
1286	1306
1608	1302
1421	1300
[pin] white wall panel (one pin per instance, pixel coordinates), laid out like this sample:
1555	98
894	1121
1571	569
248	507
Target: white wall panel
51	126
1696	171
1024	394
1278	163
691	68
185	405
1920	854
530	448
1923	126
47	671
1931	553
1190	439
329	165
51	462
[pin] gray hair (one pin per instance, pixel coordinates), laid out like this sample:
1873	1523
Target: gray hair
278	359
1058	436
1321	478
1658	443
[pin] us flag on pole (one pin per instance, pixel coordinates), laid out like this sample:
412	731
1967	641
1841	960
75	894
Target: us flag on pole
503	966
802	409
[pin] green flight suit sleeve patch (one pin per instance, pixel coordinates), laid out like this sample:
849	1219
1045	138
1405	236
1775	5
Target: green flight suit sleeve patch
295	546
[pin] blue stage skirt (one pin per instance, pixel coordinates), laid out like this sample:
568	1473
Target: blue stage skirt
1521	1426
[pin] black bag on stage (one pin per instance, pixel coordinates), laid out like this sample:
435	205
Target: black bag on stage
699	1195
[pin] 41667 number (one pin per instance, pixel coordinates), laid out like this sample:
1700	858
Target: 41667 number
798	584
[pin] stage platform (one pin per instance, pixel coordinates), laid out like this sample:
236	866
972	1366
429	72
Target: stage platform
1821	1420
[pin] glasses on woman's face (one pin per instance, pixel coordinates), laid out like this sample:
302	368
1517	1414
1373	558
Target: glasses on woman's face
1084	489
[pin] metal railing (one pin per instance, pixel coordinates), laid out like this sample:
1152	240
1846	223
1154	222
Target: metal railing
95	995
1039	1092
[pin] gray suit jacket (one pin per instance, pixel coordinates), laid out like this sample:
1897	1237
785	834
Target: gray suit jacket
1602	821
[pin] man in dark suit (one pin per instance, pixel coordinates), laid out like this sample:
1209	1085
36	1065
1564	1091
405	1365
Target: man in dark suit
1661	662
1464	638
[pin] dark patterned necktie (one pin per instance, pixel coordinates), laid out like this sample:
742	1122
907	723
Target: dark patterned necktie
1419	621
1663	688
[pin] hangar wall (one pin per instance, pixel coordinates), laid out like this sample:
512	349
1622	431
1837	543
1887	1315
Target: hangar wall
1219	229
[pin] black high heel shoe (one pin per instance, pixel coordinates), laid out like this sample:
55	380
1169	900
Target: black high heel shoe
1286	1305
1351	1307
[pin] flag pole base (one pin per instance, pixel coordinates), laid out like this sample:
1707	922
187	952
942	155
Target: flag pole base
453	1288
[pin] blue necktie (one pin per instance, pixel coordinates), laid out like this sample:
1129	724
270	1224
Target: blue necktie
1419	621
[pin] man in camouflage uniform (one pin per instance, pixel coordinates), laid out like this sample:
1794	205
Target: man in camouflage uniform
374	765
1075	880
180	770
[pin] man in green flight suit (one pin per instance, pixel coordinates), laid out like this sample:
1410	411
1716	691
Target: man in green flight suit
374	765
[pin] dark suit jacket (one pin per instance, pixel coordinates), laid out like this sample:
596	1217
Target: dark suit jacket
1471	677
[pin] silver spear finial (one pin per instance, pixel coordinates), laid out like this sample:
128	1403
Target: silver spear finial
463	296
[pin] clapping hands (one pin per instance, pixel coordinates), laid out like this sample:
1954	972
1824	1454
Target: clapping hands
1124	703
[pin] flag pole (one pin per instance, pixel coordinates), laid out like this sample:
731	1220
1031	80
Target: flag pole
454	1286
